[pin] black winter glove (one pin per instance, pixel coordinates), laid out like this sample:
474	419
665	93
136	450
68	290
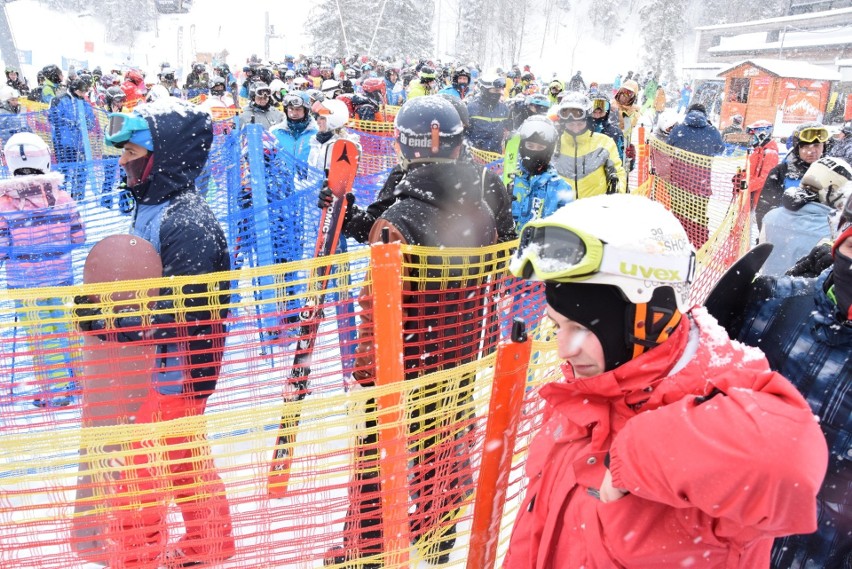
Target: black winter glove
325	196
814	263
128	327
83	309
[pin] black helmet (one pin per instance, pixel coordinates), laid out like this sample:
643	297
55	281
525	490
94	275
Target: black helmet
265	75
427	74
52	73
82	82
428	129
114	95
460	107
459	72
198	68
538	142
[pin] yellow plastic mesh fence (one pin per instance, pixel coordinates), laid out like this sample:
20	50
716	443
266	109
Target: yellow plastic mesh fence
121	474
703	192
285	466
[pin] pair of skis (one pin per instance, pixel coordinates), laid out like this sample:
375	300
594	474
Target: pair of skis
340	177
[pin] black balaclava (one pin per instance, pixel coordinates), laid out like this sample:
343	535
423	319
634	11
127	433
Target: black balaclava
602	309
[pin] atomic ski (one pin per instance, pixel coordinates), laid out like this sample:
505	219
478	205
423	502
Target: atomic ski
340	177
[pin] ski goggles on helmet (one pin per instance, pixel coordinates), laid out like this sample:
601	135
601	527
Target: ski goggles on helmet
626	92
571	114
600	105
293	102
812	135
263	93
549	251
122	126
553	252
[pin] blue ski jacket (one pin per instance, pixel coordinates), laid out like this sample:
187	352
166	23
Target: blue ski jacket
488	124
538	195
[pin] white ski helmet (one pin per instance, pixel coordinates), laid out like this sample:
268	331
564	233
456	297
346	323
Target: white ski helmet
8	92
329	86
335	112
826	177
573	105
157	92
623	240
27	150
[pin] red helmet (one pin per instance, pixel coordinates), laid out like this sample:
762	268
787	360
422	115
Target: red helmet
134	76
373	85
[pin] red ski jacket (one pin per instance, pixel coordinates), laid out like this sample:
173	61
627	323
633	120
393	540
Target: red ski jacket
719	455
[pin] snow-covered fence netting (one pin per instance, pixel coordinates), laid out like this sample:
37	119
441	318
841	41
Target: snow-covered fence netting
412	440
707	195
391	465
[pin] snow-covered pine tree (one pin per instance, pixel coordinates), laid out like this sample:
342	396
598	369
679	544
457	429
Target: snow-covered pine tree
401	27
405	28
663	27
604	15
472	30
358	19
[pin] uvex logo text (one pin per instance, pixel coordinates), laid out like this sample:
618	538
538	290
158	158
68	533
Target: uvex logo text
654	273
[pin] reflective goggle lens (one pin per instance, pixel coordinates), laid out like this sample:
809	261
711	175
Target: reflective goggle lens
811	135
572	114
553	252
600	104
293	101
263	93
122	126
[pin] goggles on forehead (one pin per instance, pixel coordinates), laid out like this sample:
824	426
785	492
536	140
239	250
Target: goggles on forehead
811	135
293	102
122	126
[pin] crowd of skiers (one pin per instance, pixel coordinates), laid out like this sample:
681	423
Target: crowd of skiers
661	427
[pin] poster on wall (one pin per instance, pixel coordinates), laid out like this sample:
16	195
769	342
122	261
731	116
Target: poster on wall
801	106
760	88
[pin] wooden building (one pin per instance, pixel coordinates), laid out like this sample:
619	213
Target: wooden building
783	92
